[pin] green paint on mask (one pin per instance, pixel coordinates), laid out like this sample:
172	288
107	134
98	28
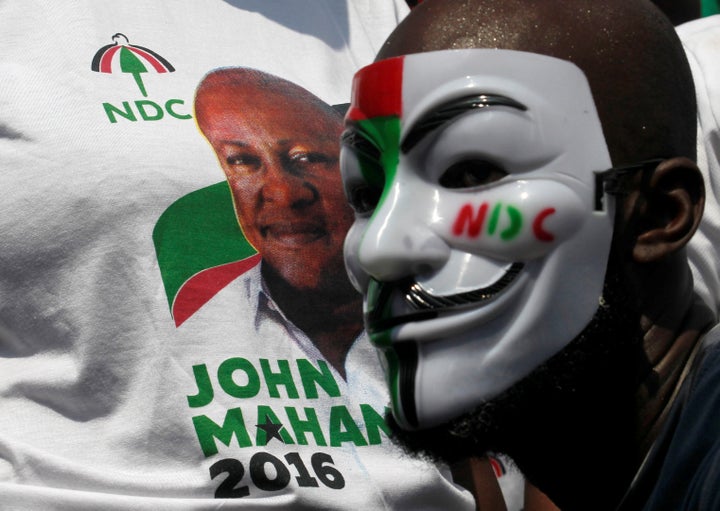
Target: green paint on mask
384	134
494	217
515	223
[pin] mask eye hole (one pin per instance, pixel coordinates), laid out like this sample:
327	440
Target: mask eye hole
364	198
470	174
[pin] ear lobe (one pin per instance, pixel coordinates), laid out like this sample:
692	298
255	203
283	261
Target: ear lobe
674	202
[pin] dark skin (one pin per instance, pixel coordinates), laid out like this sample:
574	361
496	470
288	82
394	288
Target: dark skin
477	476
644	95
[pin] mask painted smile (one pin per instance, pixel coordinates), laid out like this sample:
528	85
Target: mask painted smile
427	305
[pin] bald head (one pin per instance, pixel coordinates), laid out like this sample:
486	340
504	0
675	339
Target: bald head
628	50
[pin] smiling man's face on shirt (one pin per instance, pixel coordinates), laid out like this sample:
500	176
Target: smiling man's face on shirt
278	147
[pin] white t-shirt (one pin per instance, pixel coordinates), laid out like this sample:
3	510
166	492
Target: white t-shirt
701	39
277	371
97	373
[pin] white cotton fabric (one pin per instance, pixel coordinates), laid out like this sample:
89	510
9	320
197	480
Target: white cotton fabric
701	39
94	374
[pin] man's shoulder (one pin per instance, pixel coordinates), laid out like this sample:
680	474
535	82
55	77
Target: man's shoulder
704	384
689	472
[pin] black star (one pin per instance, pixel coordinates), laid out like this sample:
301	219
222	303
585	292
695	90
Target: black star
271	429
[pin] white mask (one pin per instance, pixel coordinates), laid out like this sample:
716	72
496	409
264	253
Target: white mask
479	242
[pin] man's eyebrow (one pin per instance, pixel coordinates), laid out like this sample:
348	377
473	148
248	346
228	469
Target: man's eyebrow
355	139
244	144
233	142
445	112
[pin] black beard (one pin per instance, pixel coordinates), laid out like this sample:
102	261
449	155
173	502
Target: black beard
575	409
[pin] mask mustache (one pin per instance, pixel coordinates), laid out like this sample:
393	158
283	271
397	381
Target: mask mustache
421	299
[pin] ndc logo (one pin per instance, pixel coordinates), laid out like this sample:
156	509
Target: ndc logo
131	59
125	58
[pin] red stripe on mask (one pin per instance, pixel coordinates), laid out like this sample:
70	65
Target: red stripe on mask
377	90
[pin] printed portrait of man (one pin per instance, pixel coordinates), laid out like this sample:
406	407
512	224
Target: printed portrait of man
278	146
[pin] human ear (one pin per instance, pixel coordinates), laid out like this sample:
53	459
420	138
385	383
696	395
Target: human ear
673	204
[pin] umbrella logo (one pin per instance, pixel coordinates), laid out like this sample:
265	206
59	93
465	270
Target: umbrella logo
129	58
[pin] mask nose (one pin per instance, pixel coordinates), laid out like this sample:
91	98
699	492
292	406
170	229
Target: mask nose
396	245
